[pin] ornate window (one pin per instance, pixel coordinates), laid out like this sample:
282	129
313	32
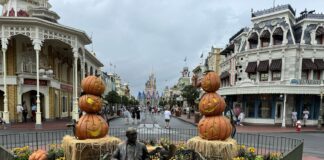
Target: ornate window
253	40
264	76
319	35
252	76
276	75
265	38
277	36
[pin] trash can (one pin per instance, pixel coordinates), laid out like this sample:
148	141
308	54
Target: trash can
197	117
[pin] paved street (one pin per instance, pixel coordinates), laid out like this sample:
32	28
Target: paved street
313	145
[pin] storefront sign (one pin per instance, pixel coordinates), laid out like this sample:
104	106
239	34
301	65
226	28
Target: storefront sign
67	88
306	82
34	82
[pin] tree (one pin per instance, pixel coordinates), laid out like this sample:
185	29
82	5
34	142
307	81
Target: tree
125	100
190	93
112	97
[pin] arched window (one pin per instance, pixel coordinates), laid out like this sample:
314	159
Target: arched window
253	40
85	69
91	71
319	35
277	36
265	38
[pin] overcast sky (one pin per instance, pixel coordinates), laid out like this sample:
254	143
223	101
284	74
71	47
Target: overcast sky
141	36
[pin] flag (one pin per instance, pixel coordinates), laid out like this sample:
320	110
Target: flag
185	59
202	55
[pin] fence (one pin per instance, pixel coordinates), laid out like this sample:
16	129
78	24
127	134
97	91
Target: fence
262	143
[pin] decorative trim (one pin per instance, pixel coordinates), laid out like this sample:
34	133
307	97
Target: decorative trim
45	33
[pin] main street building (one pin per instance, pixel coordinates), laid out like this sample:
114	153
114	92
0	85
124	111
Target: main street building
276	66
34	46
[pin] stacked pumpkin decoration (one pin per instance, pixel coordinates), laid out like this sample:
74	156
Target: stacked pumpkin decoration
213	126
38	155
91	125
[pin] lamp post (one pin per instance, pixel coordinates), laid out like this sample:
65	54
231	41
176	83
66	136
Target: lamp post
319	125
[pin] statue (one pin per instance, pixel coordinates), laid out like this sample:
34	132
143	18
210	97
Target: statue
131	149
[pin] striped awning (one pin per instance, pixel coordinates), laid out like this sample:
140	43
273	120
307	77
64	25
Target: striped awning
263	66
275	65
251	67
319	63
224	75
307	64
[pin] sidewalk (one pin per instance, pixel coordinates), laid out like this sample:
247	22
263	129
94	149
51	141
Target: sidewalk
257	128
59	124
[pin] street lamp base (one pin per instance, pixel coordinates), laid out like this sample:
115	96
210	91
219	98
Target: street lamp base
38	126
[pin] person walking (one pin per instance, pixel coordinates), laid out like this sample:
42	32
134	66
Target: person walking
167	117
25	111
240	118
19	113
305	117
138	114
294	117
34	112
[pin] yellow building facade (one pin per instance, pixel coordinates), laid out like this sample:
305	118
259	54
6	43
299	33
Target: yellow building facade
42	62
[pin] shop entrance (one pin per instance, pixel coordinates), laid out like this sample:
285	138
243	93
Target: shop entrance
278	113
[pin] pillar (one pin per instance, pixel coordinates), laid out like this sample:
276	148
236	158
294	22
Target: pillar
4	42
75	112
37	47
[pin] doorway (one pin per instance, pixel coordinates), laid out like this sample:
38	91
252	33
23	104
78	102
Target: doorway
278	112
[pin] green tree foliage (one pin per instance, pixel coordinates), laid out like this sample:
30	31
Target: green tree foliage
190	93
112	97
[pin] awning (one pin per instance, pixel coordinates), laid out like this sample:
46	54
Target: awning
319	63
251	68
308	64
275	65
224	75
263	66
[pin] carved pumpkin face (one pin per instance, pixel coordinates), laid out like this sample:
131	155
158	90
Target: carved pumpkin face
214	128
210	82
93	85
90	103
211	104
91	126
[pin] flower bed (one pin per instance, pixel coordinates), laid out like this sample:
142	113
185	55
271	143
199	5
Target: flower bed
162	150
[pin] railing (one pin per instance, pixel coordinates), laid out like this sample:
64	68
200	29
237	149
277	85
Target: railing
263	144
5	154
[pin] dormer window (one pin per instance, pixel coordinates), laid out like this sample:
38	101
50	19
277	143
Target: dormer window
319	35
253	40
265	38
277	36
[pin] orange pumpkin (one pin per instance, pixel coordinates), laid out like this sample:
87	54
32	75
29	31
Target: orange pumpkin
90	103
38	155
214	128
210	82
211	104
93	85
91	126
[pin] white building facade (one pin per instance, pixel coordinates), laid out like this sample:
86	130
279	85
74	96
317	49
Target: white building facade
276	66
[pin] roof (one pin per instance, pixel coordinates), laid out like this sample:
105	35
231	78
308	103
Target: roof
251	68
308	64
319	63
228	49
263	66
273	9
275	65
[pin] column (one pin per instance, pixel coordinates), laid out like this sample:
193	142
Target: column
284	112
300	66
4	42
282	77
37	47
75	112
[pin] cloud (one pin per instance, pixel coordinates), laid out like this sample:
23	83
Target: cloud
139	36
